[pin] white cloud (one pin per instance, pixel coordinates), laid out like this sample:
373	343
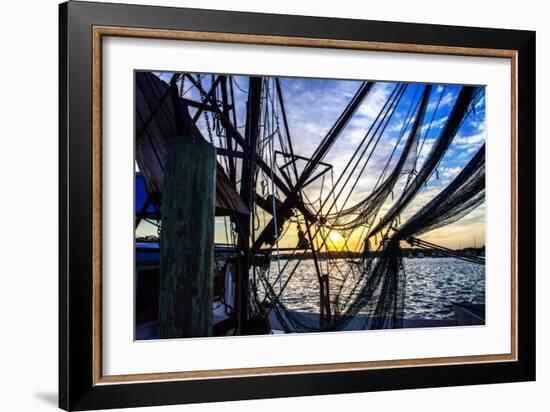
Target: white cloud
375	100
474	139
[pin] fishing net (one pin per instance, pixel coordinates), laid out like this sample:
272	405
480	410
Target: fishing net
464	193
366	209
383	294
381	297
452	125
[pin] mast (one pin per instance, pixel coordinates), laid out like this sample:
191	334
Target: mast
247	191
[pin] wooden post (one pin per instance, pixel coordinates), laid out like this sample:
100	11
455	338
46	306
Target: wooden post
187	239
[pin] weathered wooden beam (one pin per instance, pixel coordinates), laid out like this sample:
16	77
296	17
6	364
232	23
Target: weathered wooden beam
230	153
225	109
187	239
265	203
199	105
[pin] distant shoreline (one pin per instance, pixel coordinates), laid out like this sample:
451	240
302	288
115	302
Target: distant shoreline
406	252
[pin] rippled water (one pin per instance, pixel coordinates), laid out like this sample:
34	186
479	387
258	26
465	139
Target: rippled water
432	284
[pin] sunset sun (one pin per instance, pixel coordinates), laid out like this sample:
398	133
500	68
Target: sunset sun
336	239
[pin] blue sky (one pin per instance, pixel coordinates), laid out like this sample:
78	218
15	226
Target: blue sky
312	107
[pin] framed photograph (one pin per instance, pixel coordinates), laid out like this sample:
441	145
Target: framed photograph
257	205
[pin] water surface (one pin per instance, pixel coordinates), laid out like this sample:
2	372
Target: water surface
432	284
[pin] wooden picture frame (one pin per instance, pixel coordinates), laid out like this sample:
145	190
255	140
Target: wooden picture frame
82	27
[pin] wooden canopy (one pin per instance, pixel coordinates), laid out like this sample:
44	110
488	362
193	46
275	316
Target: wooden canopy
155	123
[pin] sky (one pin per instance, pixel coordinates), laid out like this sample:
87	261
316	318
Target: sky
313	106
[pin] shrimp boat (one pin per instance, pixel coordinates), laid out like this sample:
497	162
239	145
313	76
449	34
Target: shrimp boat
205	155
